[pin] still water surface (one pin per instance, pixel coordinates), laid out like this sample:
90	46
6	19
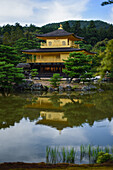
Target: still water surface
31	122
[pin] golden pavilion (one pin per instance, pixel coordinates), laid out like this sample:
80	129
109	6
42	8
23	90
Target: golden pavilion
49	58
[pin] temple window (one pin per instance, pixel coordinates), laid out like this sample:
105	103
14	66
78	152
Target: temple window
58	57
38	57
50	43
63	43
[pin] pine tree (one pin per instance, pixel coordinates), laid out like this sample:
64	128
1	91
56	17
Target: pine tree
77	28
91	34
78	65
9	74
6	38
66	26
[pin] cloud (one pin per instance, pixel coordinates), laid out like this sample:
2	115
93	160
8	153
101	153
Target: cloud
27	142
111	127
112	15
41	12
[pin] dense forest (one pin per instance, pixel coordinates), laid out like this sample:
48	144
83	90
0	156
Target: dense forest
92	31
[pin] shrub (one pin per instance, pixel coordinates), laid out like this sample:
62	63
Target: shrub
34	72
55	80
103	157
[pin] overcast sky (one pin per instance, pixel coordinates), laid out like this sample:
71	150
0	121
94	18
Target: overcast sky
41	12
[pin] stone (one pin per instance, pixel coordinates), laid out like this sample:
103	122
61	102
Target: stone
68	88
60	88
37	86
36	78
56	89
50	89
88	88
26	85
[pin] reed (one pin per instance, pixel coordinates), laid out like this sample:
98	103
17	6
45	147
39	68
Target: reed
82	152
72	155
68	155
47	154
63	154
89	152
107	149
112	149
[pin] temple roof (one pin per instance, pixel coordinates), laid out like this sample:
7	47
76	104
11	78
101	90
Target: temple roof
43	50
59	125
52	50
59	33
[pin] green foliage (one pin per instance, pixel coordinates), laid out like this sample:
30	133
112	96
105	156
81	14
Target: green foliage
9	74
92	31
76	28
83	45
34	72
78	64
100	46
91	35
106	57
106	2
103	157
95	154
55	155
6	38
24	44
66	26
55	80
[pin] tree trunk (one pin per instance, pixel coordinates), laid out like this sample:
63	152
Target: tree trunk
70	79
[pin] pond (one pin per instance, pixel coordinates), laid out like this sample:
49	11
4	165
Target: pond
29	122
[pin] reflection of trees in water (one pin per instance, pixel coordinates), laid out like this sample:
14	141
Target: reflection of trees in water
104	102
12	110
93	108
55	99
77	114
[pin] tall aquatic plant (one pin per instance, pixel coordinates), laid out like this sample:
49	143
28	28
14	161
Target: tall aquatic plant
68	155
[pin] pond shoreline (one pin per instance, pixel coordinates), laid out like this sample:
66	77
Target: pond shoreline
42	165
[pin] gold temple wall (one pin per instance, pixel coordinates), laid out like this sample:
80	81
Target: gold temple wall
62	43
50	58
55	43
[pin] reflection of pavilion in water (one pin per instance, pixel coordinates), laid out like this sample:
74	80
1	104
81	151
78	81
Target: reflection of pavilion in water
54	119
51	113
48	103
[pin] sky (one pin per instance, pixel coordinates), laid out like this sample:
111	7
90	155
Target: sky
42	12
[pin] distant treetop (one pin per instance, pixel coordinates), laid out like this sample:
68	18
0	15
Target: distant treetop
107	2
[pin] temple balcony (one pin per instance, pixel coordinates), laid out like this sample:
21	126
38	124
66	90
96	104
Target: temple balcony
59	45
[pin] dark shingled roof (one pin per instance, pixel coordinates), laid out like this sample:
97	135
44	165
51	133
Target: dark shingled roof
60	125
43	50
52	50
58	33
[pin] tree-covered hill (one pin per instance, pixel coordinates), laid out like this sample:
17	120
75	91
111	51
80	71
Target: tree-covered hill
98	24
92	31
